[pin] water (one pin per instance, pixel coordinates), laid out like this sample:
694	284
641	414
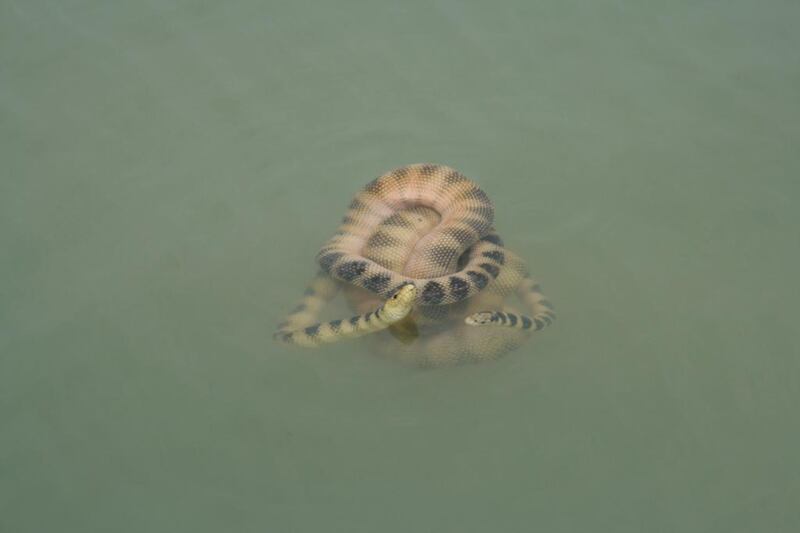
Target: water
170	168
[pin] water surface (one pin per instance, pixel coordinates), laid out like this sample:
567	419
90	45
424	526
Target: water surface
170	168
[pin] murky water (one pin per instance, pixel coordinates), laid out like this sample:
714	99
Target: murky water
169	170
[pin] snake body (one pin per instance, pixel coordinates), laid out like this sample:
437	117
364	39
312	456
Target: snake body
395	309
466	216
429	227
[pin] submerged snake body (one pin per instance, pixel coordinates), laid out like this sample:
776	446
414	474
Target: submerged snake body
448	333
429	226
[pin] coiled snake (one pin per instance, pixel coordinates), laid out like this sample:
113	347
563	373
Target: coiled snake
417	255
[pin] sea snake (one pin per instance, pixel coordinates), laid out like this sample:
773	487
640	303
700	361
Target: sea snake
424	232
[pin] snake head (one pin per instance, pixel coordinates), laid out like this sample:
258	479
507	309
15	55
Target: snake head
400	303
480	319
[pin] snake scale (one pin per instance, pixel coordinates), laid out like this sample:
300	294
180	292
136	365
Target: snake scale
417	255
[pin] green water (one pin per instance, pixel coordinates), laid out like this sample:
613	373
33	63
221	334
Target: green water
168	170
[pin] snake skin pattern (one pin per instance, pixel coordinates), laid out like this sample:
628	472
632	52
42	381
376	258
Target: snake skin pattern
429	227
395	309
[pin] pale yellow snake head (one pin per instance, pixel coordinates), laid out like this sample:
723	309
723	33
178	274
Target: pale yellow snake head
399	304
